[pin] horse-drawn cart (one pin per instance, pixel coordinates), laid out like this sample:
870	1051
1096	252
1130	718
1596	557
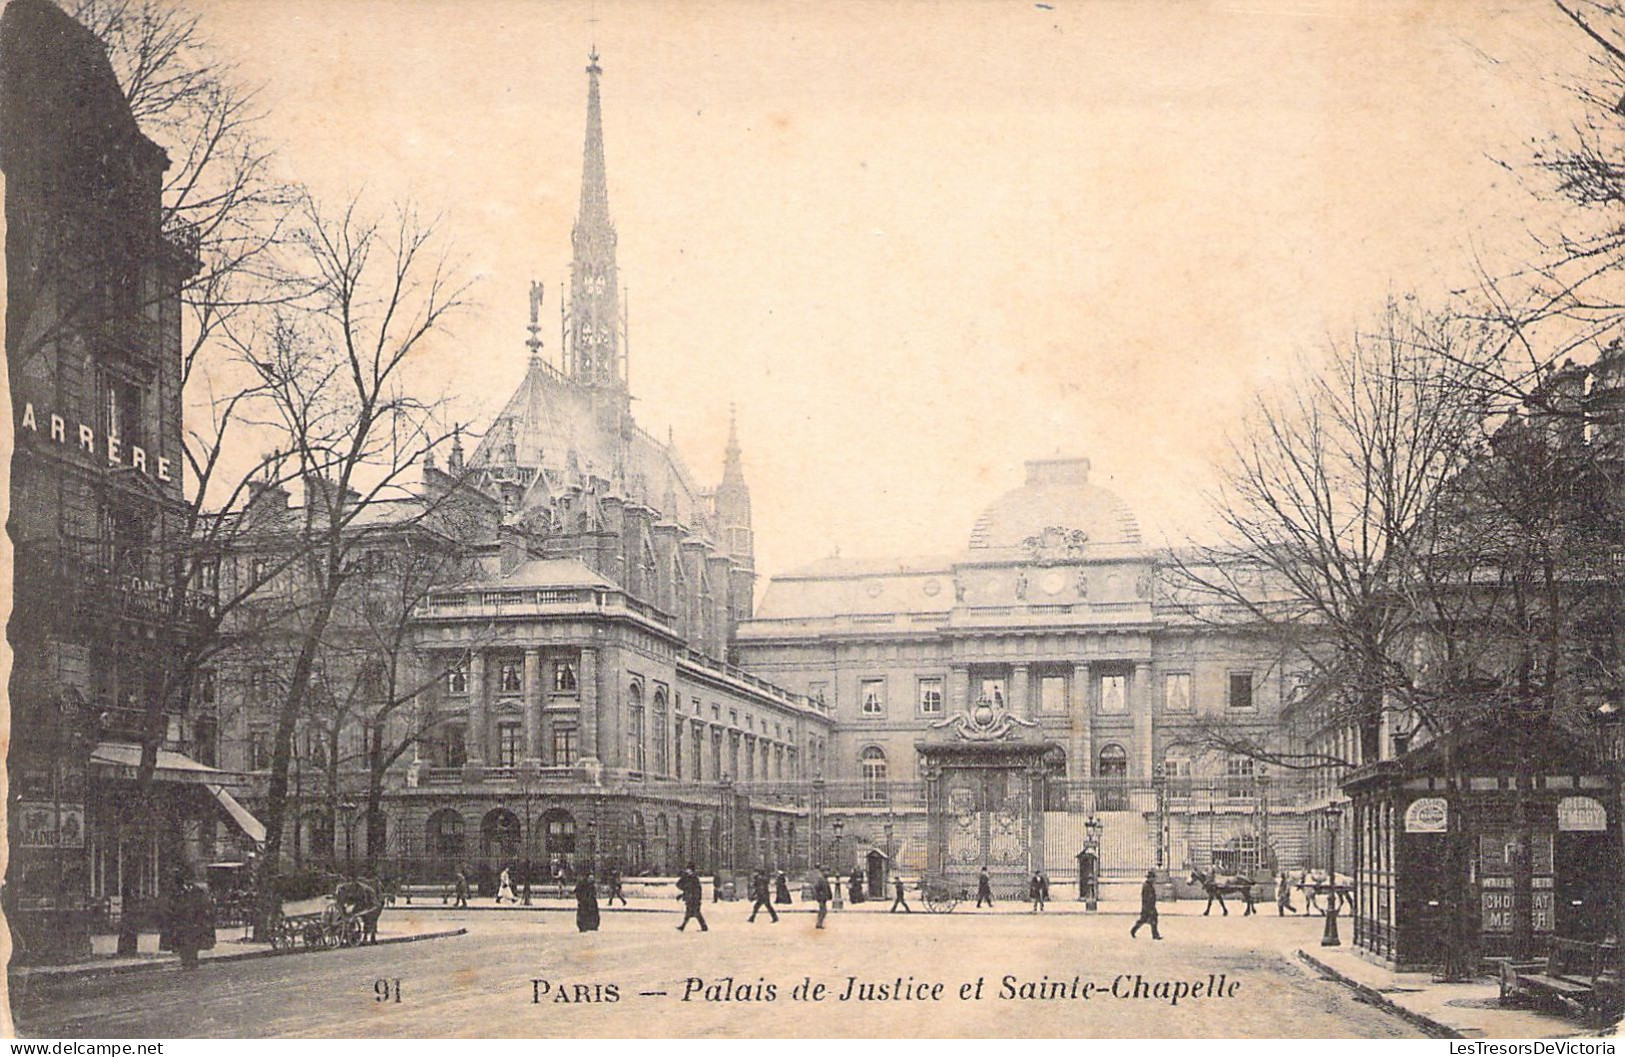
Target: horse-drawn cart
350	919
941	895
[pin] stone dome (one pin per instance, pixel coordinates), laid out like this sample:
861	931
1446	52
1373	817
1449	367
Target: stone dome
1057	495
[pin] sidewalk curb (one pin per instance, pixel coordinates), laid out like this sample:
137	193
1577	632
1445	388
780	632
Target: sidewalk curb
85	972
1431	1027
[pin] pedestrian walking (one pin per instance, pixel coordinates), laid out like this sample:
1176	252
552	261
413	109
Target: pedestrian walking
1148	907
1043	887
781	895
505	886
898	899
558	877
759	896
612	882
1283	895
984	888
586	892
692	893
821	895
459	886
716	888
1035	892
190	920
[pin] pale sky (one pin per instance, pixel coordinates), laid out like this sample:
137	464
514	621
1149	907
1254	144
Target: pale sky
919	243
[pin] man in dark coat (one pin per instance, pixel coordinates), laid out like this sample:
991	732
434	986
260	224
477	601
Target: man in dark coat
781	893
613	881
190	921
898	899
1148	906
854	888
760	897
460	887
1035	892
821	895
984	888
586	892
692	893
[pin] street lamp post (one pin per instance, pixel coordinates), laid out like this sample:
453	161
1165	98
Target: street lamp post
1093	828
351	811
1330	937
837	826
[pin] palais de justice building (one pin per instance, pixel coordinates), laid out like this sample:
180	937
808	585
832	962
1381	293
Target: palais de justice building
604	690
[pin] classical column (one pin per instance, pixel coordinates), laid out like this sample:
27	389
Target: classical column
587	714
1144	749
1080	750
1021	699
534	696
474	740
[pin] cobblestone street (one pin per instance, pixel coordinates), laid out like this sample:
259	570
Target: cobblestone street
480	985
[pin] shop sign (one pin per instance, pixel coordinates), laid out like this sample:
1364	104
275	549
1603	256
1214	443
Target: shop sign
1430	814
84	438
1581	814
51	825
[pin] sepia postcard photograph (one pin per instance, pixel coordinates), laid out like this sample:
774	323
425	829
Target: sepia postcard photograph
869	519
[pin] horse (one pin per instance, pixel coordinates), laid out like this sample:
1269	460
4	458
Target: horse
1217	886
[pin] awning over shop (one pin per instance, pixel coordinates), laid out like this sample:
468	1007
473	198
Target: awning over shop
117	759
253	827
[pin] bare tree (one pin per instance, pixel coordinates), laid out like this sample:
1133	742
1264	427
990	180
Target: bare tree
334	389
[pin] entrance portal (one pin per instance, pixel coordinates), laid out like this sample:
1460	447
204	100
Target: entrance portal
986	810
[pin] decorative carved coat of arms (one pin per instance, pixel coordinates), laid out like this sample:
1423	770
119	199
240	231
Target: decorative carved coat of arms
1056	544
984	721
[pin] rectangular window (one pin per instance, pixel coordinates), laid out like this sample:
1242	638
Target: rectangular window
259	749
1238	773
121	414
1052	695
260	686
993	692
1176	692
205	688
1113	695
564	677
634	738
453	747
510	743
457	679
930	697
564	746
1241	689
872	692
511	677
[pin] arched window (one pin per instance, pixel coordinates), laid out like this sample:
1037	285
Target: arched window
662	846
1055	779
317	828
647	574
559	831
499	834
1112	767
661	731
634	727
872	767
444	833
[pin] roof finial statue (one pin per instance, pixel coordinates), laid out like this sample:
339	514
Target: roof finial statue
535	342
454	461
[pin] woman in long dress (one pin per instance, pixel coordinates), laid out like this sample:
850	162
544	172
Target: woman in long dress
587	904
781	893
